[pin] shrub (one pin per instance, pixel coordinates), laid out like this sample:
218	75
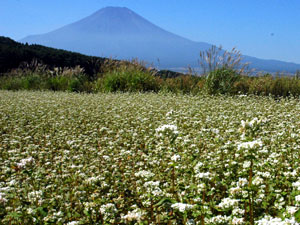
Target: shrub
241	86
57	83
129	80
185	84
31	82
221	81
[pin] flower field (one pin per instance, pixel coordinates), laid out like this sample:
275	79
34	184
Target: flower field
69	158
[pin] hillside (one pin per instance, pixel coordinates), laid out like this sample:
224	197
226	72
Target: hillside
12	54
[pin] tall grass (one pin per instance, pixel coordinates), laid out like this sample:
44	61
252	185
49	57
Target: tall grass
133	76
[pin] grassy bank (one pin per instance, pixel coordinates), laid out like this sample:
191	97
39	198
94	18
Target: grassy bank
132	79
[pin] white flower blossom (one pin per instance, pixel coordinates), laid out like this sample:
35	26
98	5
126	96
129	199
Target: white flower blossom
167	127
228	203
250	144
175	158
144	173
268	220
24	162
182	207
135	215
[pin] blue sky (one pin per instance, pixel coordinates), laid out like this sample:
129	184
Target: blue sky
268	29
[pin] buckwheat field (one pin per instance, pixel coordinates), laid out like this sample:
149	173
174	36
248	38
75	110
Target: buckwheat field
70	158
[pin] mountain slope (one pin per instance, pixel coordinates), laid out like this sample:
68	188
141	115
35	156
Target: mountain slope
121	33
12	54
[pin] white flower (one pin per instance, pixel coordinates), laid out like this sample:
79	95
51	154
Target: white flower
244	124
297	185
235	190
237	221
25	162
71	142
58	214
268	220
91	180
242	182
254	121
133	215
238	212
175	158
109	207
292	209
205	175
257	180
246	164
297	198
250	144
106	157
152	184
2	199
144	173
219	219
167	127
30	211
35	195
153	188
198	166
182	207
228	203
73	223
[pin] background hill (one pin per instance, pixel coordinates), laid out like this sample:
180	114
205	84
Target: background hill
12	54
121	33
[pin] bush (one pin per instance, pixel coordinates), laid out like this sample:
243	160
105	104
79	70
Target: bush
221	81
185	84
28	82
129	80
57	83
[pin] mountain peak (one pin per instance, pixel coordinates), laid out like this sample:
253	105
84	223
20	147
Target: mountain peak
115	20
113	9
119	32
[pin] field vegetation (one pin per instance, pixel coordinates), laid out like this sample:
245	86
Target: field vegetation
115	142
133	158
36	67
133	77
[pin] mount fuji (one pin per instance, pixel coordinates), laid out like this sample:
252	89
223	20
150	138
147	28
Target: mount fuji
120	33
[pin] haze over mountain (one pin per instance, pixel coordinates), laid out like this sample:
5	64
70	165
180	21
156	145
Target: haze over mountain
121	33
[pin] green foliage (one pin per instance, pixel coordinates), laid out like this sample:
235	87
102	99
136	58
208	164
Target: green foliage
268	85
221	81
58	83
13	54
29	82
133	77
129	81
185	84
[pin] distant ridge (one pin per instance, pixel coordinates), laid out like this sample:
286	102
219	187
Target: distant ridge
12	54
120	33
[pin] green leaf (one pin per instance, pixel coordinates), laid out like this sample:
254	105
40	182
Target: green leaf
297	216
86	213
42	211
162	201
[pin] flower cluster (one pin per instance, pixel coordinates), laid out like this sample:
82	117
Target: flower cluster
152	158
